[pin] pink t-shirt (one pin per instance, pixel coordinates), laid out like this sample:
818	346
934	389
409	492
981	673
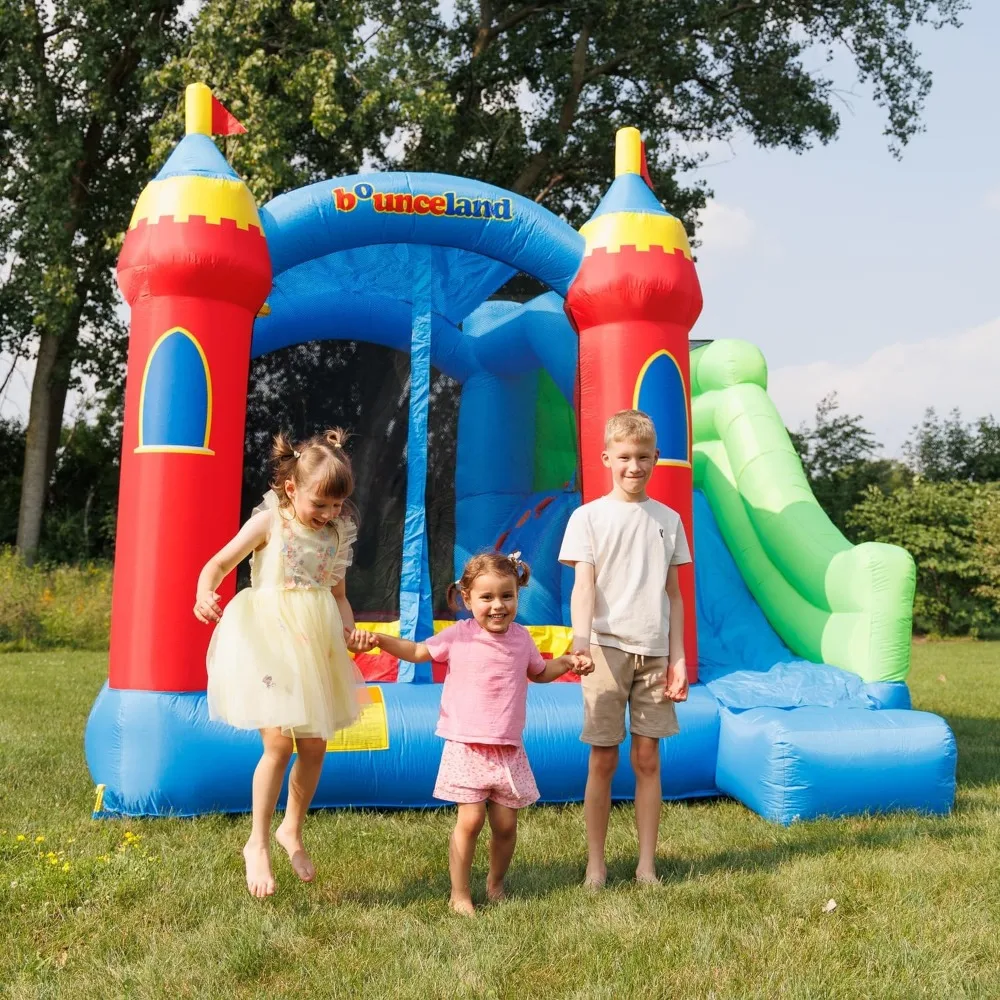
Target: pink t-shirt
486	687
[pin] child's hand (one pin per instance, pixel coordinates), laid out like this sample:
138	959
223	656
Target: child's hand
677	681
207	608
359	641
583	663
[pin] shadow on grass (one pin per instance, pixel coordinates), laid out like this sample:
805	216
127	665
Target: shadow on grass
533	879
978	750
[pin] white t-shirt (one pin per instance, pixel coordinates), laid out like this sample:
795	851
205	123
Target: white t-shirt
631	546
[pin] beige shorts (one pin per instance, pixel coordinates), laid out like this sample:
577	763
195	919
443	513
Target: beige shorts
621	679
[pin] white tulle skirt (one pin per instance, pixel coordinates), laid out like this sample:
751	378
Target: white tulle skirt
278	658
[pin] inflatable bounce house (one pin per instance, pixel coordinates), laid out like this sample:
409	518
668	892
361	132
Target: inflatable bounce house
797	641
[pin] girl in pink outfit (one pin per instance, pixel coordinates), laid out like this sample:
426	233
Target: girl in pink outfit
484	768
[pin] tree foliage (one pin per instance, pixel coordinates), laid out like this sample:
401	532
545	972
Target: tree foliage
74	146
82	497
952	531
528	94
289	72
839	456
943	449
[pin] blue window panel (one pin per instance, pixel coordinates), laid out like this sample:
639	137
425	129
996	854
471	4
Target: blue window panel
660	393
176	395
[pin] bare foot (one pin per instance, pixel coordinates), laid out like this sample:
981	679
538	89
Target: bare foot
643	877
462	905
495	891
297	854
595	878
260	878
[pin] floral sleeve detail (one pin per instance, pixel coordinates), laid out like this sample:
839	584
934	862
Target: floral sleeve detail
347	534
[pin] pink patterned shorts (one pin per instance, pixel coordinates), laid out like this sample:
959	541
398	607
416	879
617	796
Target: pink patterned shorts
475	772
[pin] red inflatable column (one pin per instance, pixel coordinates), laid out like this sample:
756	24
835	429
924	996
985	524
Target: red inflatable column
633	303
195	270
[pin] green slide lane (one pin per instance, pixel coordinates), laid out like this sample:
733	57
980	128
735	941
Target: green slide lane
830	601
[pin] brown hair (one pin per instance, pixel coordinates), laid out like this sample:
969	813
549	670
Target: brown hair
488	562
629	425
319	461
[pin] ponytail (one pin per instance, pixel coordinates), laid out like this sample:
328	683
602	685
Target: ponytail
321	459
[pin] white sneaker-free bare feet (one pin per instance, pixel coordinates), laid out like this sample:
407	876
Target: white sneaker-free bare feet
462	905
595	877
643	877
260	878
495	891
297	854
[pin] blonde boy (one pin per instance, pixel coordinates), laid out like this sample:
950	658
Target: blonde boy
628	615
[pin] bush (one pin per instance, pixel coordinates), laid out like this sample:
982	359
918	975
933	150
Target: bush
952	529
48	606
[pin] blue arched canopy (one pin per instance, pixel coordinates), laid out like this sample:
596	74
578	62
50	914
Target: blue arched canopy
346	252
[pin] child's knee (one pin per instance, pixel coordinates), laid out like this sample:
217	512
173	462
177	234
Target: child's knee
278	747
503	825
470	821
311	749
646	757
603	761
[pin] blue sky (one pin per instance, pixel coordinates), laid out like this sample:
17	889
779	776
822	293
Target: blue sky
853	271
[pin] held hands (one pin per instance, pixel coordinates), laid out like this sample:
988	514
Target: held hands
579	655
677	681
207	608
359	641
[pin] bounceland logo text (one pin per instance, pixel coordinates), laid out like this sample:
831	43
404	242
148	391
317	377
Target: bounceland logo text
443	206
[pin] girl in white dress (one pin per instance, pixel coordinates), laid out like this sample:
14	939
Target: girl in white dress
278	661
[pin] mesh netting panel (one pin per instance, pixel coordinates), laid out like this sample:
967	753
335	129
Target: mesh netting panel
364	388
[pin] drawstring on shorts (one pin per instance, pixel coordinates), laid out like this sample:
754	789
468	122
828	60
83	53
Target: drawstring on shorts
502	758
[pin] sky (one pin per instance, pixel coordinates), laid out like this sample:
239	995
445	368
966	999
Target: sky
857	273
854	272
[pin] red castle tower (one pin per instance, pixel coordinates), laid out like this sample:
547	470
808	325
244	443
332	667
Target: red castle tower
633	303
195	270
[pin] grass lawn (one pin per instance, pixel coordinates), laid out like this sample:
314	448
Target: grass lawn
158	908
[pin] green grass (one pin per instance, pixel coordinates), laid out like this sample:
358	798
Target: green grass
157	908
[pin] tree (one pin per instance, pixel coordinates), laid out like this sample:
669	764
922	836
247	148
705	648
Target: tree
528	94
289	72
838	456
11	457
74	143
951	529
945	449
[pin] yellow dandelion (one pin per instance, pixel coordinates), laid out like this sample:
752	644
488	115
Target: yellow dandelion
66	867
53	861
21	836
39	839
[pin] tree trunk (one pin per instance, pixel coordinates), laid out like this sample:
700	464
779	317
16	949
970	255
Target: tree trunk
48	400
